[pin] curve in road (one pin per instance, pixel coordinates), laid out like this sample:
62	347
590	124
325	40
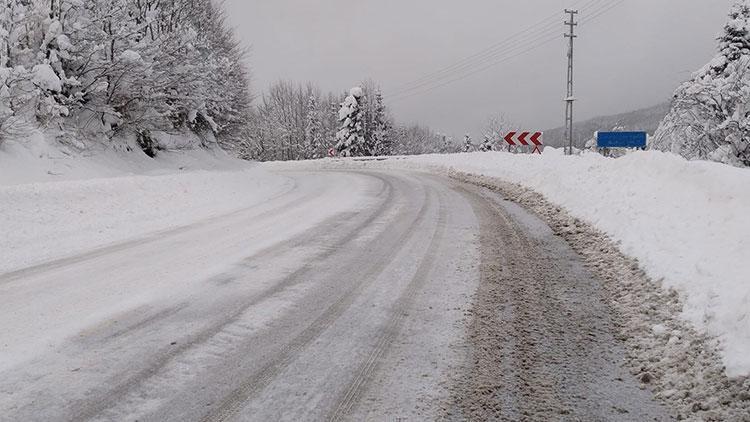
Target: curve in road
358	295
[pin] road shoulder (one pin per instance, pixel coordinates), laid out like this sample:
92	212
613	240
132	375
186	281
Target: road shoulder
681	366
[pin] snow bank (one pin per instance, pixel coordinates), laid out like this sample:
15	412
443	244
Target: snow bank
37	159
686	222
112	197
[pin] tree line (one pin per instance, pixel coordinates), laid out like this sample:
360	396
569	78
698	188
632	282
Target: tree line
295	121
161	74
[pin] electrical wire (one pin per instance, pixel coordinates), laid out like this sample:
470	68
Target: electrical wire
488	54
487	51
496	54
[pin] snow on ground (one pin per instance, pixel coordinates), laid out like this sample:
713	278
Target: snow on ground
686	222
37	160
56	203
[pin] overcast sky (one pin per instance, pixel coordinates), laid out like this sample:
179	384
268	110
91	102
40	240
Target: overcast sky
631	57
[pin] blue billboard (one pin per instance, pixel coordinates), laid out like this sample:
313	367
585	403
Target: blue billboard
621	139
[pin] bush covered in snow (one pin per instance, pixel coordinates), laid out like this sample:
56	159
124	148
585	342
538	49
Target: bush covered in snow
710	116
120	68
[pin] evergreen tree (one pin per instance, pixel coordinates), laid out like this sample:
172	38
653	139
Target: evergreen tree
382	144
314	130
367	107
735	41
710	116
350	140
468	145
486	145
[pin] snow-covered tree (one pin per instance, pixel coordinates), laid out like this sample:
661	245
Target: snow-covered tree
468	145
315	144
295	121
381	140
350	140
710	116
414	140
497	126
12	13
123	67
486	144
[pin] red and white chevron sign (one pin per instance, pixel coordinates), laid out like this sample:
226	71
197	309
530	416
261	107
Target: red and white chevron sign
526	139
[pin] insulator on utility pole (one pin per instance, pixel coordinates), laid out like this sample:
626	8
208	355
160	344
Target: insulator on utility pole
570	99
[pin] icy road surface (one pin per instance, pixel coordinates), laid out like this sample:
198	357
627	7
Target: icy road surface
355	295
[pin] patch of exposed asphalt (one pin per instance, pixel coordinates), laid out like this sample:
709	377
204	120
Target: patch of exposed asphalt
663	353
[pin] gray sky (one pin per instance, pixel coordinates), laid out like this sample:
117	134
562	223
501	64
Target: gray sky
631	57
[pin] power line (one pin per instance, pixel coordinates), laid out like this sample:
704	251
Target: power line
492	56
493	52
467	70
601	12
550	20
524	49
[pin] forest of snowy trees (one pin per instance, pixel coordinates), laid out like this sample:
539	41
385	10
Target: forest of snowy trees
160	74
710	116
103	70
298	121
168	74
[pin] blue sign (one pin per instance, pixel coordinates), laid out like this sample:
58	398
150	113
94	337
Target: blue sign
621	139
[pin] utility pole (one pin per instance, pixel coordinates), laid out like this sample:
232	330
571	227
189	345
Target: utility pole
570	99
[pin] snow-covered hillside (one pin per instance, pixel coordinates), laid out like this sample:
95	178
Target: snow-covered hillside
55	202
647	119
686	222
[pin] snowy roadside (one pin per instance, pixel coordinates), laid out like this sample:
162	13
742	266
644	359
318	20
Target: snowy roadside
685	222
667	354
36	159
91	202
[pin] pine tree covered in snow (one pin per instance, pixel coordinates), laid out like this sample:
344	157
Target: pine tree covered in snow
486	144
315	144
381	139
710	116
374	119
350	139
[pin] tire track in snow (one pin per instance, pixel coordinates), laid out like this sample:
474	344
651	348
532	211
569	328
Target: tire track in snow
357	386
99	406
233	402
18	274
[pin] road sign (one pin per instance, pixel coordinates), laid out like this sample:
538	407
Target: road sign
331	152
621	139
526	139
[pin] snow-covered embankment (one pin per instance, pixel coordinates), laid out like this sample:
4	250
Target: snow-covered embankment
54	204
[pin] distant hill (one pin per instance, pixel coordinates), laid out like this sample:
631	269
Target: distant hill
647	119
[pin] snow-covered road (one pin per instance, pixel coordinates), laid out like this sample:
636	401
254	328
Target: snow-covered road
351	295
